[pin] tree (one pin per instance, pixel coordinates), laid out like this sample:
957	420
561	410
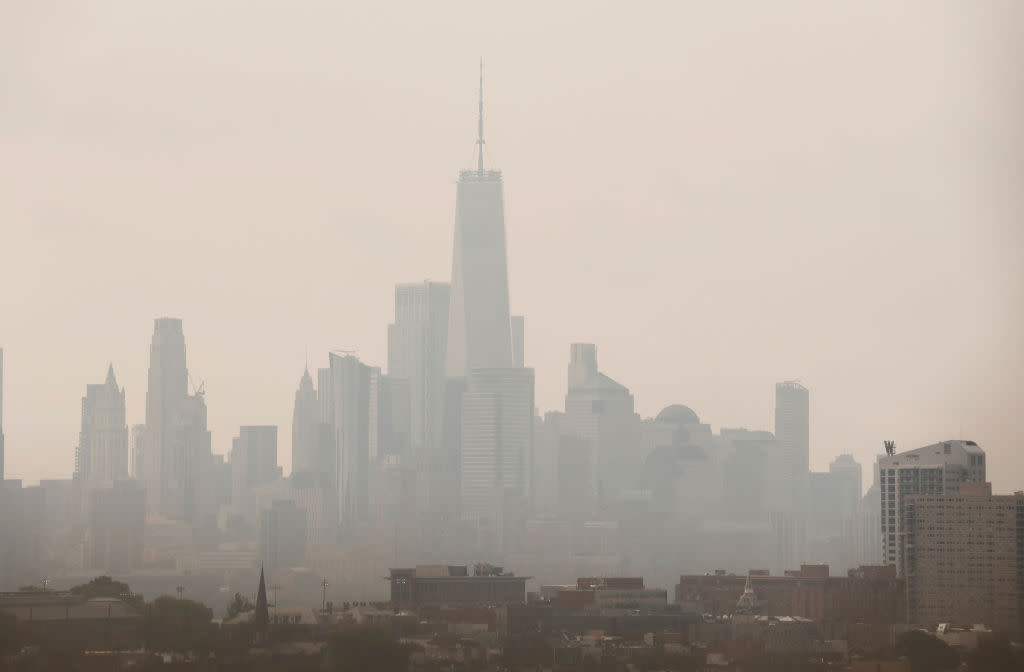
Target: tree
239	605
926	653
994	656
358	648
178	625
104	586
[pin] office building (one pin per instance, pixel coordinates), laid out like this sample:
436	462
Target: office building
354	390
176	442
451	585
117	521
282	535
600	411
497	440
417	347
518	341
306	427
479	325
964	558
102	454
792	435
137	452
938	469
253	459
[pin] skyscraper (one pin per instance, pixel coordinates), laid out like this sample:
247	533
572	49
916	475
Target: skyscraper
479	327
497	439
417	346
792	424
165	399
176	445
601	412
305	426
102	454
353	396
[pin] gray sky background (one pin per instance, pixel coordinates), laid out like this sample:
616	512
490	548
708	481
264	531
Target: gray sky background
719	195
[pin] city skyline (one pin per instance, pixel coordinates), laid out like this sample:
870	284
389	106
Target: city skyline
710	353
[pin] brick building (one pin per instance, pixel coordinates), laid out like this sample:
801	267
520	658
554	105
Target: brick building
965	557
868	594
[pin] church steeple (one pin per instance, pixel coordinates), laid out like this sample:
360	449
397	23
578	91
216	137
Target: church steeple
261	619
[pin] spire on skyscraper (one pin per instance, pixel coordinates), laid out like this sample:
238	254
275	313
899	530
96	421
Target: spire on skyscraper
480	123
111	380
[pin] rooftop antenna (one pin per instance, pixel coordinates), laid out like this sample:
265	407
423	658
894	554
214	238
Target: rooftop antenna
480	124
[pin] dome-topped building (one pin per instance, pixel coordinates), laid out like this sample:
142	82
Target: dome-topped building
679	415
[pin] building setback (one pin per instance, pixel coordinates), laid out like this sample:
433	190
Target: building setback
964	558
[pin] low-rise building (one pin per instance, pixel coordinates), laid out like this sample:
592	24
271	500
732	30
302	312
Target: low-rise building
452	584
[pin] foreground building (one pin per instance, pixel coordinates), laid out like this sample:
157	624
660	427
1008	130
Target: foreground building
964	558
866	594
938	469
438	585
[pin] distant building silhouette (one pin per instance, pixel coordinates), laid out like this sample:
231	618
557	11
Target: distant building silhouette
306	427
102	453
354	389
497	444
176	445
417	347
117	518
600	411
253	459
282	535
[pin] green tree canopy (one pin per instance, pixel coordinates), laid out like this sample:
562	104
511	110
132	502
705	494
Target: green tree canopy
104	586
239	605
926	652
178	625
358	648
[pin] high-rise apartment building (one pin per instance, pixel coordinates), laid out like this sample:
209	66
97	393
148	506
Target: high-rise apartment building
497	440
963	557
479	326
253	459
102	454
938	469
417	347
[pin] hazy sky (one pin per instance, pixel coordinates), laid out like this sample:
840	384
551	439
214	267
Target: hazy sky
720	195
